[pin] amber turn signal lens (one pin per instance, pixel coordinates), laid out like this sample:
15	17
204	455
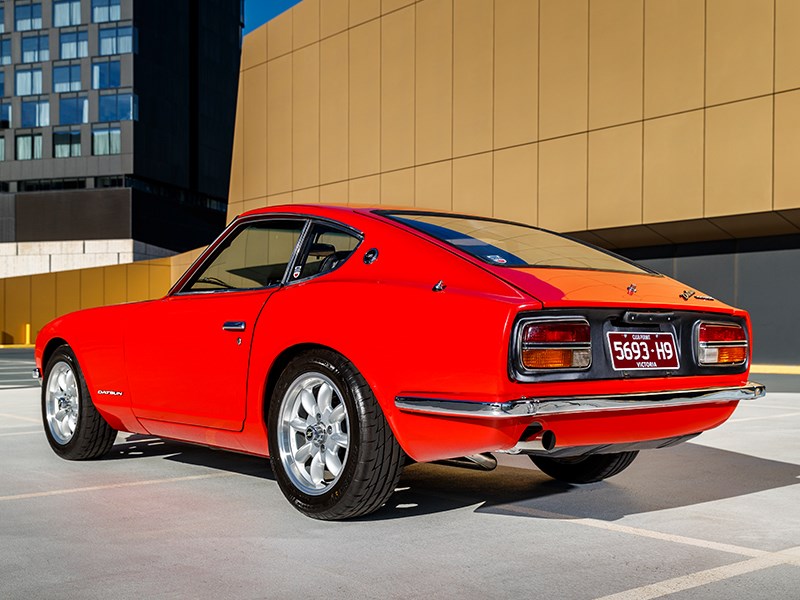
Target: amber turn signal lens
554	358
723	355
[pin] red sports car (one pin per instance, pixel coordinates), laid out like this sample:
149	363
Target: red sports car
344	342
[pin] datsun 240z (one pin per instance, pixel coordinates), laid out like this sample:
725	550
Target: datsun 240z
345	342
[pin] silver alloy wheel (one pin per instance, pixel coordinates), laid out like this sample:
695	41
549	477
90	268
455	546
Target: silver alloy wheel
62	402
313	435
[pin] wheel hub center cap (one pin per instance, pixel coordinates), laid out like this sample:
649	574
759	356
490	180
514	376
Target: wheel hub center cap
315	433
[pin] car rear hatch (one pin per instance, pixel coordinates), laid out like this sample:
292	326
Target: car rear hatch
640	324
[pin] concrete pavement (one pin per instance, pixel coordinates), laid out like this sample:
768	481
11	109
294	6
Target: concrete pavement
714	518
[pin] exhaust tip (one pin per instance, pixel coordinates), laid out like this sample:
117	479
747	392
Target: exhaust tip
548	440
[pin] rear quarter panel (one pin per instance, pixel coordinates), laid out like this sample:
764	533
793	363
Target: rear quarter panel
402	336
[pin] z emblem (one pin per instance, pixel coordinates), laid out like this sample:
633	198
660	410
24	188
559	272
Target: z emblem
687	294
632	289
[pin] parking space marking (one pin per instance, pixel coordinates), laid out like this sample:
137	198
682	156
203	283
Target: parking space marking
37	432
700	578
618	528
113	486
780	416
28	419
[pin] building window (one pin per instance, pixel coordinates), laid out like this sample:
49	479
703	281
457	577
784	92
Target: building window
28	16
74	44
5	52
29	81
66	12
118	107
73	111
2	84
67	78
35	48
5	116
67	143
109	181
106	140
116	40
45	185
105	75
2	150
105	10
2	19
35	113
29	147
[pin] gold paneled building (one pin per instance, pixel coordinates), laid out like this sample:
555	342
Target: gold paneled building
666	129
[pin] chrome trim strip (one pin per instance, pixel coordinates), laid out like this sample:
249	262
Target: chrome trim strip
234	326
526	407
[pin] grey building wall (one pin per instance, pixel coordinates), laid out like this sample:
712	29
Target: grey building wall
759	275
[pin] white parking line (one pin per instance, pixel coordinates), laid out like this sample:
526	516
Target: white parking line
781	416
37	432
28	419
113	486
618	528
694	580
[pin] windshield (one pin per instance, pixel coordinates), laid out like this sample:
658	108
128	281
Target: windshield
513	245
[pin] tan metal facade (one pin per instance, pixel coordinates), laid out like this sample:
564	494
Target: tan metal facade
637	122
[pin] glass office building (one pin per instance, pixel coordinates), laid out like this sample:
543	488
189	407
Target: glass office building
116	120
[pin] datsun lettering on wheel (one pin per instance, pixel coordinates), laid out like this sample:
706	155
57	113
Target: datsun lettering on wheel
345	342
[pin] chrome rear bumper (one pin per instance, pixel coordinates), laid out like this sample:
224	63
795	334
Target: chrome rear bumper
525	407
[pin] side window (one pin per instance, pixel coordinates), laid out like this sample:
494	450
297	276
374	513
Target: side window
326	249
255	256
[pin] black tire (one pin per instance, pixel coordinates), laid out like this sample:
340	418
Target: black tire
369	466
91	437
584	469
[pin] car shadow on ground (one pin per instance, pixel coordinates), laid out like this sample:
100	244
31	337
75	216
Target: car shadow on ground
678	477
657	480
135	446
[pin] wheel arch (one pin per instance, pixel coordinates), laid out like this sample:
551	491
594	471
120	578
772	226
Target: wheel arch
281	362
50	348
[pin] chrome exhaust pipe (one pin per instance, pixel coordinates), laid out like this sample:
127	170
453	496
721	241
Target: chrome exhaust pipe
544	443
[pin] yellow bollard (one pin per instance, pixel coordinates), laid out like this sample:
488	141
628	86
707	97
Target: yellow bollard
27	334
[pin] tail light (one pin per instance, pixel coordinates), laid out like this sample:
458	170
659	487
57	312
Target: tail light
720	344
555	344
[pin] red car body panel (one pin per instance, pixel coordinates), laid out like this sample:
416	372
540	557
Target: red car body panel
167	368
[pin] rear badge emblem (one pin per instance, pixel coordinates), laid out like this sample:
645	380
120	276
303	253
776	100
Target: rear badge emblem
632	289
687	294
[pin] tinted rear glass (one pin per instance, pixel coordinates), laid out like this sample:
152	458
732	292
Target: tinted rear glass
506	244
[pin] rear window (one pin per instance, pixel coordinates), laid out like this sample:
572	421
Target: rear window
506	244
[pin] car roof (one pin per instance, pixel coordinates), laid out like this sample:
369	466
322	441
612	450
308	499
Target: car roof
334	210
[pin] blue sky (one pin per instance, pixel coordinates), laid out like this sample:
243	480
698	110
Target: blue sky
258	12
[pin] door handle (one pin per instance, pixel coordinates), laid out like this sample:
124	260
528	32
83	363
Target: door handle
234	326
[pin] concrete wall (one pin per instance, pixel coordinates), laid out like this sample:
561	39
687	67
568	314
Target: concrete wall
28	258
28	303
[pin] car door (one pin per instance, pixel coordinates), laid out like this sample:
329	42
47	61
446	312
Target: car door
187	354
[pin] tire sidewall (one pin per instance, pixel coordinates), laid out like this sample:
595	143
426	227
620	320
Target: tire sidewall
342	374
65	354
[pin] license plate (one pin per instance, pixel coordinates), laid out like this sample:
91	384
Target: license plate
637	351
